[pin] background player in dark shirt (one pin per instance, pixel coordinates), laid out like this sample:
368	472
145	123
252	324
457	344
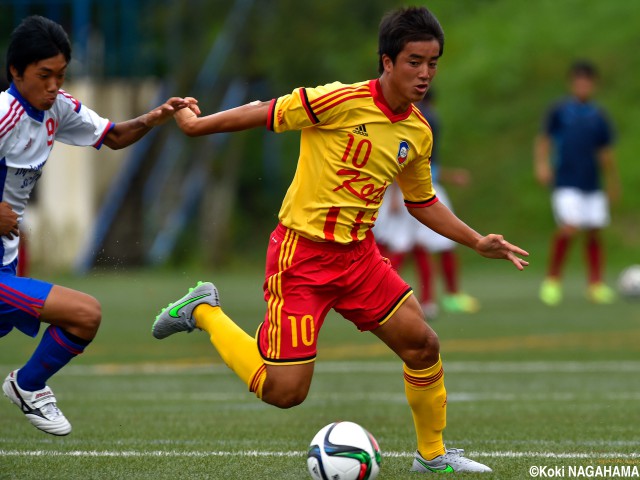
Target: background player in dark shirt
573	153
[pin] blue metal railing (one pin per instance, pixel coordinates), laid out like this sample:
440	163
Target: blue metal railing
115	196
162	219
193	186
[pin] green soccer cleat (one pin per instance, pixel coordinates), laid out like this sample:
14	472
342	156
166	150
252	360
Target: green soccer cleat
178	316
551	292
460	303
601	294
451	462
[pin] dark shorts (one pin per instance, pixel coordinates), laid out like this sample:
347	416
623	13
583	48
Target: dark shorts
20	301
305	279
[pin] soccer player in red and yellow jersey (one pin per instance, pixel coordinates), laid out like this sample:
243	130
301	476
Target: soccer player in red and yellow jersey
355	140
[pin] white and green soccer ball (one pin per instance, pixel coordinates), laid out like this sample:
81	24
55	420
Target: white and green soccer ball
343	451
629	282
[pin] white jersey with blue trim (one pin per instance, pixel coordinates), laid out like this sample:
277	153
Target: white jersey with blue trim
27	136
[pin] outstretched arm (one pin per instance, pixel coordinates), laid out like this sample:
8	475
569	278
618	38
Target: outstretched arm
541	161
125	133
251	115
612	177
460	177
440	219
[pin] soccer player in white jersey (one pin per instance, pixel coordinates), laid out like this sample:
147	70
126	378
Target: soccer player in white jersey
34	113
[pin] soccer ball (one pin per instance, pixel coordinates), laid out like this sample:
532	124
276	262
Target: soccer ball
343	451
629	282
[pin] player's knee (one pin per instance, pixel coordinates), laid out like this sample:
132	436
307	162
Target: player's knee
284	395
432	344
431	350
425	353
593	234
568	231
89	315
286	399
287	386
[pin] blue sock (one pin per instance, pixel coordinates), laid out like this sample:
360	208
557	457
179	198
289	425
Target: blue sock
55	350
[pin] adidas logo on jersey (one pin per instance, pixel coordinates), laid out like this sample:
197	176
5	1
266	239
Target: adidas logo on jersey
361	130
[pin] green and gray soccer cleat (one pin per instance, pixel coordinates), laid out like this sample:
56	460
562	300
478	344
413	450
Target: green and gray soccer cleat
178	316
451	462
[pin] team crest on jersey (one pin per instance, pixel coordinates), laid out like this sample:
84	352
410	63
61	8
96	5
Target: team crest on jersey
403	152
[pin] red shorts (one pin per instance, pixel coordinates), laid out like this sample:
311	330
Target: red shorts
304	279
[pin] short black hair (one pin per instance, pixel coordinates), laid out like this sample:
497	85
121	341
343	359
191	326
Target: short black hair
36	38
583	68
409	24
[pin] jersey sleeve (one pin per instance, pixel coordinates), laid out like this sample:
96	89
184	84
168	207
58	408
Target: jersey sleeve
606	136
551	121
79	125
306	107
416	181
10	113
4	133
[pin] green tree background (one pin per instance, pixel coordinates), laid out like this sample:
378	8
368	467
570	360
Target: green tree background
504	63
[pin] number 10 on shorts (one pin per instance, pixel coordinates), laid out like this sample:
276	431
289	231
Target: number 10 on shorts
303	331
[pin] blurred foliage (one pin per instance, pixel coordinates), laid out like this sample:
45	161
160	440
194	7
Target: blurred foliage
504	63
503	67
311	43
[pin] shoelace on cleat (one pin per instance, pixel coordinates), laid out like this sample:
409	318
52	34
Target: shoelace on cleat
51	409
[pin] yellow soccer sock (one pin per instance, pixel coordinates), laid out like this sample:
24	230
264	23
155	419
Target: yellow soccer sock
427	398
238	349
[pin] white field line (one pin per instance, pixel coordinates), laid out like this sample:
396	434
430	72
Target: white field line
257	453
187	368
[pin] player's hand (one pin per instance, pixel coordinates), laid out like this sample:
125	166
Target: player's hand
544	175
192	104
460	177
8	221
495	246
614	192
164	112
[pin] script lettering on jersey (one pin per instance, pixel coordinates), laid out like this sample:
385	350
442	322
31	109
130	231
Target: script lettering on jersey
357	185
30	175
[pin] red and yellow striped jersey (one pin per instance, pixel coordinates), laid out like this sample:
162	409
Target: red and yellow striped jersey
352	147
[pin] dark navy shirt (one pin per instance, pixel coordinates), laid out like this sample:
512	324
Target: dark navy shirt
578	131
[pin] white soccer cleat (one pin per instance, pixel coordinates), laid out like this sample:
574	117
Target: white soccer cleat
39	407
451	462
178	316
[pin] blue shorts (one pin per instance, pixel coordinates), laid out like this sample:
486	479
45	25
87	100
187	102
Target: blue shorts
20	301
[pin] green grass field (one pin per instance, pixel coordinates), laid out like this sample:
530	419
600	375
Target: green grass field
528	386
